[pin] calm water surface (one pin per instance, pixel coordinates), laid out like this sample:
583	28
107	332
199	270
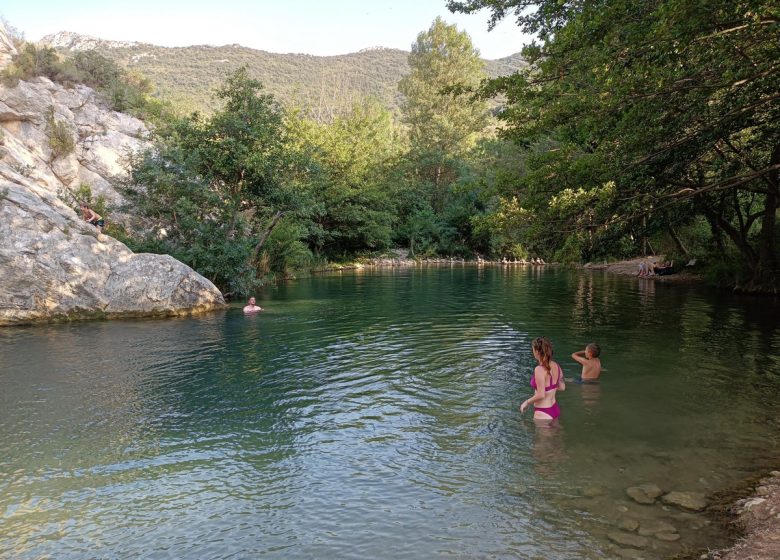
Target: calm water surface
374	415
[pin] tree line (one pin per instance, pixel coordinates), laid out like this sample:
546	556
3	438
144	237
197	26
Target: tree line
636	128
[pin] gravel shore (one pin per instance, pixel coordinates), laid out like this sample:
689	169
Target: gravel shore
757	519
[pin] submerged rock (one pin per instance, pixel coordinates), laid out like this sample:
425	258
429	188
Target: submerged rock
692	501
628	524
650	527
628	539
593	491
644	494
628	553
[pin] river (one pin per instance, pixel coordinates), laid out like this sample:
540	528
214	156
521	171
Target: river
373	414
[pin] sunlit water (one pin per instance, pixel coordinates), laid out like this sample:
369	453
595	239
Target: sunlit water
374	415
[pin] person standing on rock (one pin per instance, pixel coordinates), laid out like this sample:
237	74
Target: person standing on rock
546	381
92	217
251	307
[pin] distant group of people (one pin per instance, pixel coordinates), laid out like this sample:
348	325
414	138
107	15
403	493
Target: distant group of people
548	377
523	261
652	269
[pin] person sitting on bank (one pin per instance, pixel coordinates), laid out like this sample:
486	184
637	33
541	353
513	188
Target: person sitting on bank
591	363
92	217
665	269
647	268
251	307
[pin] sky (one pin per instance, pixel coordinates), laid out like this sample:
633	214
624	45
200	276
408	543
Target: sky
318	27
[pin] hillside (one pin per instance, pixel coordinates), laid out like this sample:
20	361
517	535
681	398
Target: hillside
324	84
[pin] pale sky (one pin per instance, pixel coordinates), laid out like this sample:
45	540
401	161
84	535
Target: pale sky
319	27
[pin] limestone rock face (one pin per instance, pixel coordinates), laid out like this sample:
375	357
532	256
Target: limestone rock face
103	139
7	49
53	265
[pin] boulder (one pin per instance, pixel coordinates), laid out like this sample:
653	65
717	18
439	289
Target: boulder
691	501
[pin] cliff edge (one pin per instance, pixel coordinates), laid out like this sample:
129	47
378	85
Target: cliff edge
53	265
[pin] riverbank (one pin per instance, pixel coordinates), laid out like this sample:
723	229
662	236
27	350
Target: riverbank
631	268
755	520
628	267
403	262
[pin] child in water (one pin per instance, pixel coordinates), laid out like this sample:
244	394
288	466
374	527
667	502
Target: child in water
591	364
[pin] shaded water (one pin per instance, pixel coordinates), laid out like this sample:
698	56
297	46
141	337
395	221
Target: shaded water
374	415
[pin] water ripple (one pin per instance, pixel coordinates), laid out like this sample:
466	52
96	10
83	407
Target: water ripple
375	415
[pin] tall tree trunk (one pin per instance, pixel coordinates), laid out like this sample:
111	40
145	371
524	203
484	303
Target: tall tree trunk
266	234
767	264
749	255
678	242
437	198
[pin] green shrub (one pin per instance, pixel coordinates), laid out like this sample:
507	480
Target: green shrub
61	140
32	61
285	253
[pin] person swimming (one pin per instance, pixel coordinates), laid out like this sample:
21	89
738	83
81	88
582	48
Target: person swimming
251	307
546	381
591	363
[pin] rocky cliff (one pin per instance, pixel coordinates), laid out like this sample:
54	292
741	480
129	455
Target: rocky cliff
53	265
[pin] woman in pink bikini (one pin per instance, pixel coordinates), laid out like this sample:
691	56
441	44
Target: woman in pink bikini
547	380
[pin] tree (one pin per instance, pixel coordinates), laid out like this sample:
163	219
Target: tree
353	154
219	187
442	125
675	102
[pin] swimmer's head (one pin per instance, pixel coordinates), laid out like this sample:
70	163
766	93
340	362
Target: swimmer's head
593	349
543	350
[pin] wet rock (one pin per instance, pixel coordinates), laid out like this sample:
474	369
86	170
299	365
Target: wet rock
668	537
592	491
692	501
751	503
628	553
644	494
622	509
763	490
650	527
628	524
627	539
698	524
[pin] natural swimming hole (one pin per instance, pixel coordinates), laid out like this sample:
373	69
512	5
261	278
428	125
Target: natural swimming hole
373	414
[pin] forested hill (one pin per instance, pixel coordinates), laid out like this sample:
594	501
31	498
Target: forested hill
325	85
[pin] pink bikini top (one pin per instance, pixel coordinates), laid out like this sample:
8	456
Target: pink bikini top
553	385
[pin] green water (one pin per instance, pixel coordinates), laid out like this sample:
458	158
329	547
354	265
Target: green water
374	415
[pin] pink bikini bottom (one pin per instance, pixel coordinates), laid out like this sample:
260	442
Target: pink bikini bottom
553	411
